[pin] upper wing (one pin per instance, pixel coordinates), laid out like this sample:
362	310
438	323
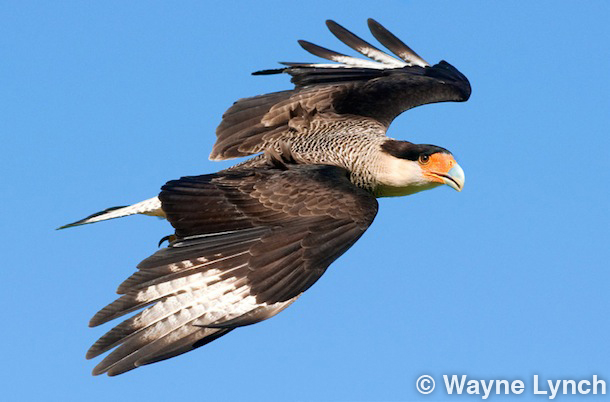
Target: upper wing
250	241
356	88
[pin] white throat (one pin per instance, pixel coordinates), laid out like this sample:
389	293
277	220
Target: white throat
397	177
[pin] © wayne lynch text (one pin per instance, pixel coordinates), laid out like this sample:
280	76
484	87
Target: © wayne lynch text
456	384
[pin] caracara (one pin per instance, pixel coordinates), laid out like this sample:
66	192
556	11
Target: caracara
249	240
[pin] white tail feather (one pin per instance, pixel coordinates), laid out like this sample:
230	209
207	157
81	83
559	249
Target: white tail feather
151	207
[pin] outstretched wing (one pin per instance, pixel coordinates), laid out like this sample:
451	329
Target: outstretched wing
250	241
355	88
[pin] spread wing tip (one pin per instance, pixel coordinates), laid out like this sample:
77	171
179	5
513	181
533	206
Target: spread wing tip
395	45
379	59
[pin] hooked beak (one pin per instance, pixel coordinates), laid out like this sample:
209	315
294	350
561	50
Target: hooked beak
454	178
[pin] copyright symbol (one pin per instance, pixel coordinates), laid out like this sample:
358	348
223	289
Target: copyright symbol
425	384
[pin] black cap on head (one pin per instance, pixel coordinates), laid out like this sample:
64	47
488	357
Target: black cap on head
410	151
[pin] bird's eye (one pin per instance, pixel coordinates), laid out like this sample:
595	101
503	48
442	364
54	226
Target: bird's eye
423	159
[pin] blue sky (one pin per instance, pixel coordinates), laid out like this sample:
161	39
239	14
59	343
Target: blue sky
103	103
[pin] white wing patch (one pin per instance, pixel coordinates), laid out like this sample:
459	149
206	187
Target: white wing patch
193	306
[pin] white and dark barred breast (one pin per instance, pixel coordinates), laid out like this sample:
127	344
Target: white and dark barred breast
350	143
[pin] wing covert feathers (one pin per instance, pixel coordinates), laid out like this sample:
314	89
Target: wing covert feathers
249	243
349	89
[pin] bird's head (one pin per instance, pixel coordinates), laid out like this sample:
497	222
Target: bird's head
406	168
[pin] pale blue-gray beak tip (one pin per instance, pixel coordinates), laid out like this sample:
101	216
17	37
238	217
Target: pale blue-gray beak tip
455	178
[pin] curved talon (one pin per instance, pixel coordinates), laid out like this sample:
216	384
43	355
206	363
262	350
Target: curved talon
170	239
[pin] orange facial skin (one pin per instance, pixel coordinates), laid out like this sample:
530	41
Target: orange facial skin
442	168
437	166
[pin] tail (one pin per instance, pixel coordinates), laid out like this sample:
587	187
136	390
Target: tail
151	207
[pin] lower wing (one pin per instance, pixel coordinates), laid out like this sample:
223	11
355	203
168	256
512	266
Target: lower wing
249	243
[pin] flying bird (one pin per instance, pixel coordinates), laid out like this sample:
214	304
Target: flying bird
249	240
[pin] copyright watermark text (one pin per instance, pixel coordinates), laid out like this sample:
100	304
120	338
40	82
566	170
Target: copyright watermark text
462	384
